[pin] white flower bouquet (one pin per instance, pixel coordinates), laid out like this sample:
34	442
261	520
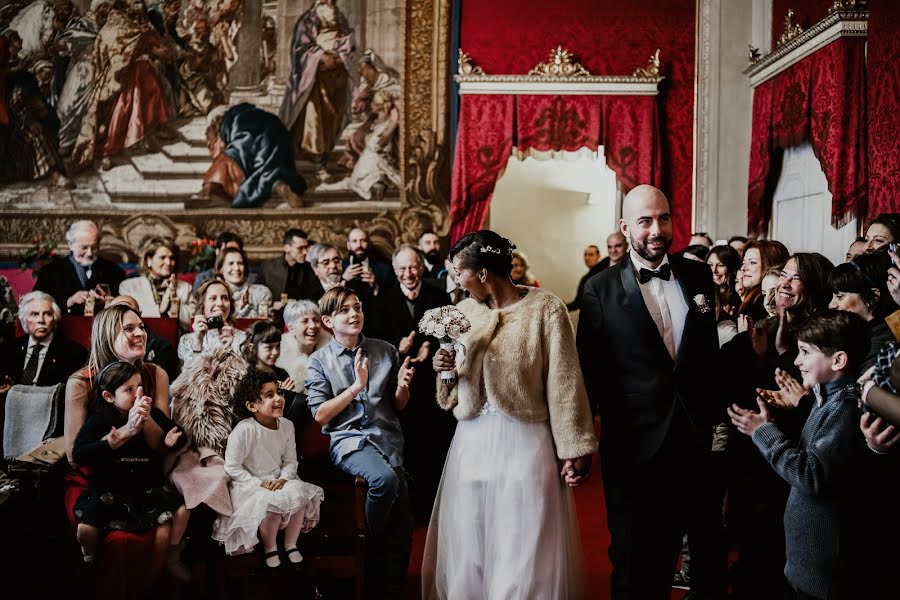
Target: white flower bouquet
447	324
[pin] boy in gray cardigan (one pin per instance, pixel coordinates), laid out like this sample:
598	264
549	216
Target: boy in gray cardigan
819	467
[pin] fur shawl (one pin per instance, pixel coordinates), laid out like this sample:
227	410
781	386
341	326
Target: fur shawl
202	398
523	357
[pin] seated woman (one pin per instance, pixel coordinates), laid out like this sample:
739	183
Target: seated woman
213	325
158	290
128	564
248	300
521	274
304	336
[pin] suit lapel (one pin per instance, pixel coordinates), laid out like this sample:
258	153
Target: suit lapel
680	277
635	302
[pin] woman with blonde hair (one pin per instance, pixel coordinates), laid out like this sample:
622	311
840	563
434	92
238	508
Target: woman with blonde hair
157	289
118	334
521	273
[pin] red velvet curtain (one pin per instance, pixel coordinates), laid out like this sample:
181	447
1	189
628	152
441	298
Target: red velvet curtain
821	99
489	126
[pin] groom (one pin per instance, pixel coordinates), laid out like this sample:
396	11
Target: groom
647	344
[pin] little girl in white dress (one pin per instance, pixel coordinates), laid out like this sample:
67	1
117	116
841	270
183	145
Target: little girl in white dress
261	460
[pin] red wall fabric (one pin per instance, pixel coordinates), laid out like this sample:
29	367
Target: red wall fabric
884	106
806	14
608	38
627	127
821	98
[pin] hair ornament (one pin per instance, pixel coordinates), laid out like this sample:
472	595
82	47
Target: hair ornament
490	249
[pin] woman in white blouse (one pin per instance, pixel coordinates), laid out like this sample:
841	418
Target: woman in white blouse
213	325
246	298
157	289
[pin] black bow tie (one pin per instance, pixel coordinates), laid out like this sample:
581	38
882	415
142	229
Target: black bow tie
664	273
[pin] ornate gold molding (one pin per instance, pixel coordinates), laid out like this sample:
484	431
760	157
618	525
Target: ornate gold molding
561	65
652	68
847	22
465	67
559	76
791	30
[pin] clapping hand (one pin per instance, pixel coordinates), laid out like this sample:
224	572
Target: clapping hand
748	421
789	393
361	369
405	375
172	437
406	343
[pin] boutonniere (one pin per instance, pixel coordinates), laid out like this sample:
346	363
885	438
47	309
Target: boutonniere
702	304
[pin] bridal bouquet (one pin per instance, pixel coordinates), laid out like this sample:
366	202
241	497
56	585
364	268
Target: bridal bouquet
447	324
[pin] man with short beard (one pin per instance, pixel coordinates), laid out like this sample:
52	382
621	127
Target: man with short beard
430	245
647	344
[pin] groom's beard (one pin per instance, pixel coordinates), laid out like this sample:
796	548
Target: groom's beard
652	255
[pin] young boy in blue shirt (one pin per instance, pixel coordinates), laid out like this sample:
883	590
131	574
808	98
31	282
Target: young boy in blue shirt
355	385
820	466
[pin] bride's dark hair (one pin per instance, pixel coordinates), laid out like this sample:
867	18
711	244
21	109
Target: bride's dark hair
484	249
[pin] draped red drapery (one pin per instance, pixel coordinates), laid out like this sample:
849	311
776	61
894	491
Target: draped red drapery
822	98
490	125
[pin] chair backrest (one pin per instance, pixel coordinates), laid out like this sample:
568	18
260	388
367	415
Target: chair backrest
31	414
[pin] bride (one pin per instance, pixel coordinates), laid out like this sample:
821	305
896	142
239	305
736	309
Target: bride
504	524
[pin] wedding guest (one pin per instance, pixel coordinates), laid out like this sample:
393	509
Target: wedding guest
355	386
701	238
592	262
427	430
616	250
226	239
738	242
157	289
326	263
365	271
856	248
430	245
43	356
130	563
882	230
158	350
248	300
656	405
213	325
696	252
724	261
82	274
521	273
758	256
304	336
860	286
290	273
521	411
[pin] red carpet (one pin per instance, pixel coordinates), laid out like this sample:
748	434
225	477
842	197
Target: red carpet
594	542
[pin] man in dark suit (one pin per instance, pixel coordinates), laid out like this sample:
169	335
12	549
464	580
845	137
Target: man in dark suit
83	274
42	356
647	344
363	268
592	262
427	430
430	245
290	274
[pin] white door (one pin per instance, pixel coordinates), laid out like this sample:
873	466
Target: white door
801	212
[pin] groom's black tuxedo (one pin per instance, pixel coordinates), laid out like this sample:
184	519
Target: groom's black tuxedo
629	374
657	415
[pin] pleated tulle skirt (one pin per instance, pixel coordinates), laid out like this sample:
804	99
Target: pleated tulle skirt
504	523
238	531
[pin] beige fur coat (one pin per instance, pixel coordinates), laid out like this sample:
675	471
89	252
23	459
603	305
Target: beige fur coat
526	355
202	398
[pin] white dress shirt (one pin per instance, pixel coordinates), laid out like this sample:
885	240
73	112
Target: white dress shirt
46	346
665	303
